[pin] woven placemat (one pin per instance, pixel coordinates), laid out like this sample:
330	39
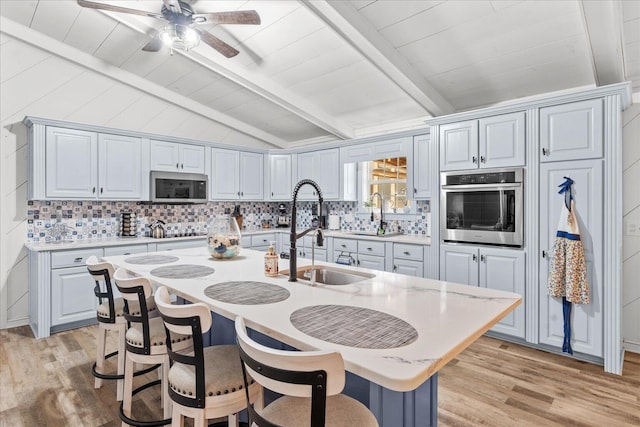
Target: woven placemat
353	326
183	271
151	259
247	293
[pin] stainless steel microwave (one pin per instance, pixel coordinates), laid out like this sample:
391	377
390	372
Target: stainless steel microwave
176	187
482	206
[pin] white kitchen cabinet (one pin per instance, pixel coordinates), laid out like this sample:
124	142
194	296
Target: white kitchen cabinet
490	142
171	245
572	131
408	259
177	157
493	268
371	262
280	177
237	175
323	167
587	319
87	165
421	170
364	253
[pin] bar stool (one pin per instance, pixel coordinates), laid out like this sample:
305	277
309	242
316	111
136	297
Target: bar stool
110	318
205	383
145	342
311	382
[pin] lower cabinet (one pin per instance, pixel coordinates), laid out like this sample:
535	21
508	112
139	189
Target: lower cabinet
181	244
408	259
494	268
364	253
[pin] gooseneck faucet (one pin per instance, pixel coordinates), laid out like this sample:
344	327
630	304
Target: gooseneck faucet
293	260
382	227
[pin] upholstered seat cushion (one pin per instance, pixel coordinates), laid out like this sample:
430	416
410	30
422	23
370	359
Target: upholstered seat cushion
118	303
223	373
157	334
342	410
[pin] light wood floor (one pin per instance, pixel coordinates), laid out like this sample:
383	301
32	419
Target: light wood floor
48	382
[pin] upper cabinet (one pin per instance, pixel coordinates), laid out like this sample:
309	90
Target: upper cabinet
280	176
490	142
572	131
87	165
323	167
421	167
176	157
237	175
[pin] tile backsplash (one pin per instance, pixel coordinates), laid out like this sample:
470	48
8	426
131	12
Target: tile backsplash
83	220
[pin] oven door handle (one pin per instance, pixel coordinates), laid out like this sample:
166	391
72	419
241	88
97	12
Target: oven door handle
479	187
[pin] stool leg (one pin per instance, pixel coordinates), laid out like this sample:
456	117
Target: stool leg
122	330
128	386
177	420
101	337
199	420
233	420
164	380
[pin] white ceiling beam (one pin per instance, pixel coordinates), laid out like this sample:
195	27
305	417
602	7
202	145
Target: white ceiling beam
343	18
603	25
90	62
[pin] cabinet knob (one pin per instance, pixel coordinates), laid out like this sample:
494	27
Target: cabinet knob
369	249
482	258
93	190
474	257
482	159
177	165
78	259
395	268
545	152
407	253
101	190
358	262
474	159
415	191
272	194
182	166
544	254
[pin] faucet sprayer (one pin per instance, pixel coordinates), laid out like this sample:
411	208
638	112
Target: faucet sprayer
293	260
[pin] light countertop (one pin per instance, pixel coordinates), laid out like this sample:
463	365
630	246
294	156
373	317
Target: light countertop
447	317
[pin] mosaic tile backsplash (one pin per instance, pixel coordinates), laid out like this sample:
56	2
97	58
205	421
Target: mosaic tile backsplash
83	220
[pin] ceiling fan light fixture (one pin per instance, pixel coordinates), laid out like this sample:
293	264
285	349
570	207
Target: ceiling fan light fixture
178	36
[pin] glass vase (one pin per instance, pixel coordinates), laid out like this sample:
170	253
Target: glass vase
223	237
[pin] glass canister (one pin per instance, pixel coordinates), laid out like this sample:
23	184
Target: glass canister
223	237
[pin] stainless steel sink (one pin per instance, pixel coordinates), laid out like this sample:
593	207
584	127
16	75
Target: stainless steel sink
330	275
374	234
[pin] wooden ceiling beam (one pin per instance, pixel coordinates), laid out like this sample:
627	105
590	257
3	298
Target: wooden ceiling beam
345	20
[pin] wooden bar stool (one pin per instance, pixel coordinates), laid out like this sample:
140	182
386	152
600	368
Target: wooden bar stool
110	317
311	382
205	382
145	344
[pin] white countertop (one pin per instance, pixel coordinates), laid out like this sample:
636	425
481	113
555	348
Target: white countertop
448	317
122	241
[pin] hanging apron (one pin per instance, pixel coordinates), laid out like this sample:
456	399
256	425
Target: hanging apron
568	270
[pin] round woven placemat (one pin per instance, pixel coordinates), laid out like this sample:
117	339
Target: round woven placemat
183	271
151	259
247	292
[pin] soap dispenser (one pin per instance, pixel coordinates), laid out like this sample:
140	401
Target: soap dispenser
271	261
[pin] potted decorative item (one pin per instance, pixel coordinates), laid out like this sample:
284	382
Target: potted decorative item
223	237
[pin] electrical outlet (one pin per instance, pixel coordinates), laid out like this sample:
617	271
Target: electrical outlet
632	228
348	217
251	217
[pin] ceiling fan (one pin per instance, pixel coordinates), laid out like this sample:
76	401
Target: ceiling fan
181	31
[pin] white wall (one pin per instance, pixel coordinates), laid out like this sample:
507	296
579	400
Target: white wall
631	243
34	82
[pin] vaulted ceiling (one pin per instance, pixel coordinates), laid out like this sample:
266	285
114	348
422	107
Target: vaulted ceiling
316	71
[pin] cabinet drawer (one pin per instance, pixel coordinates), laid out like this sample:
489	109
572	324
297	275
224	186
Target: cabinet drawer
404	251
73	258
370	261
245	241
370	248
183	244
125	250
262	239
348	245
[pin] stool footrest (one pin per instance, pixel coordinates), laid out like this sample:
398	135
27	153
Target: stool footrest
136	423
102	376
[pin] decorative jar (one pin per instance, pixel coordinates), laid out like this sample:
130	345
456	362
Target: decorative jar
223	237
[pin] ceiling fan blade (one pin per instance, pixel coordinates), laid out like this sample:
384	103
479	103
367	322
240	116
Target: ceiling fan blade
154	45
173	6
245	17
218	44
112	8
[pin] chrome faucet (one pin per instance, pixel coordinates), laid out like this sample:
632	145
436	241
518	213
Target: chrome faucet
293	236
383	225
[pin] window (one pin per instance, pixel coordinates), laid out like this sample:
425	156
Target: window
388	177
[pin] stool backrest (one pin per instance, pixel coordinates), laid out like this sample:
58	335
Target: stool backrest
136	290
102	273
186	319
315	374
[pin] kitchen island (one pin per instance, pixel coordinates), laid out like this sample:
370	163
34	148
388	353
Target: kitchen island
406	328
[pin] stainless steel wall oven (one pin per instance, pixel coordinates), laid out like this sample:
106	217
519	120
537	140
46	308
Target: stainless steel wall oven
482	206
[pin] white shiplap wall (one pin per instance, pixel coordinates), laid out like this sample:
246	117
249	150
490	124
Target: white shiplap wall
631	243
36	83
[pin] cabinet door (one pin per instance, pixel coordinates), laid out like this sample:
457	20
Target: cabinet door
326	172
251	176
587	320
572	131
71	163
502	140
225	183
421	170
371	262
280	179
408	267
503	269
119	167
165	156
459	264
72	297
305	171
191	158
459	146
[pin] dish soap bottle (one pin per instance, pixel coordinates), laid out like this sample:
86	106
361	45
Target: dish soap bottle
271	261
